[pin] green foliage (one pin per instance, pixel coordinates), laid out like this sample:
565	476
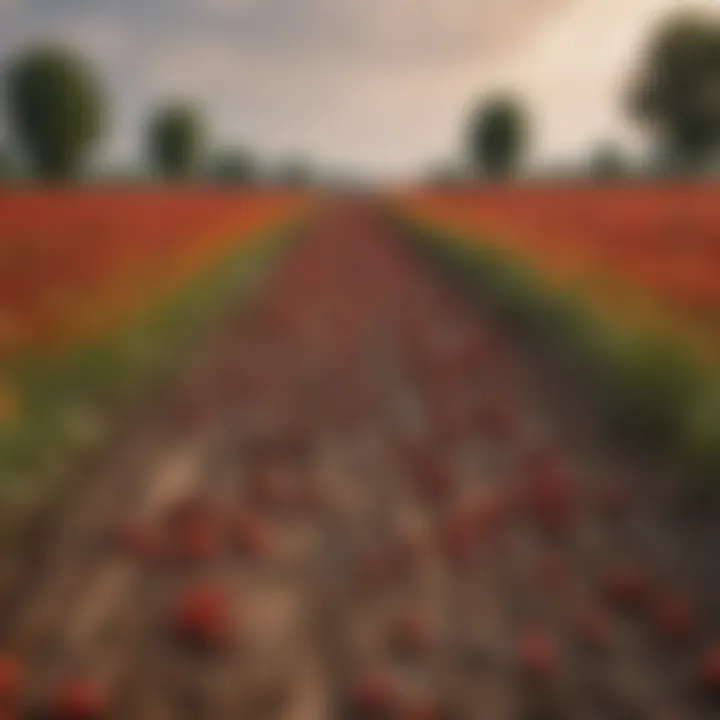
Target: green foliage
294	173
175	140
235	167
68	400
9	169
702	440
651	389
678	93
497	137
56	109
608	163
651	392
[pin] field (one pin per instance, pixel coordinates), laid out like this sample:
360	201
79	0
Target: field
96	288
374	490
77	267
647	255
624	280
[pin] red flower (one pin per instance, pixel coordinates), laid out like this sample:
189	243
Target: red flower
203	617
708	669
376	695
78	700
11	682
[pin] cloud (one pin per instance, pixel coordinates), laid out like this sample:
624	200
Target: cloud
374	82
379	31
378	83
385	84
575	73
100	39
239	7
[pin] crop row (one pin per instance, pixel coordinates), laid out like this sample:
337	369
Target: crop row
624	282
97	290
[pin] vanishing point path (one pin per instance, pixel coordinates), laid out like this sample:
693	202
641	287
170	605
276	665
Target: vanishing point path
361	500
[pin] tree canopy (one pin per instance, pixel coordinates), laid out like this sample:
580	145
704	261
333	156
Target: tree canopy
175	140
497	137
55	109
678	90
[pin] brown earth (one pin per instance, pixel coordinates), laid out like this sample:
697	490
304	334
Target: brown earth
392	443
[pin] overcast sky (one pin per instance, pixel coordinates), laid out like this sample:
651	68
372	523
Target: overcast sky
378	85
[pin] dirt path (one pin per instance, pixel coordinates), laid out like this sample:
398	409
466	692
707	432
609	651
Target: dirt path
359	505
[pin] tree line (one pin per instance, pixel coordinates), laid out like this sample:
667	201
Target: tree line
675	96
56	113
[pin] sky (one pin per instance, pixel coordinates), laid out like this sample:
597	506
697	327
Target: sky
382	87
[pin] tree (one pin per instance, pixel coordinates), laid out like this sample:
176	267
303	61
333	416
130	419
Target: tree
175	140
497	137
677	93
608	163
294	173
8	166
56	109
235	167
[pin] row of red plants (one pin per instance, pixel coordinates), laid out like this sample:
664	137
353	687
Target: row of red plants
95	283
627	277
